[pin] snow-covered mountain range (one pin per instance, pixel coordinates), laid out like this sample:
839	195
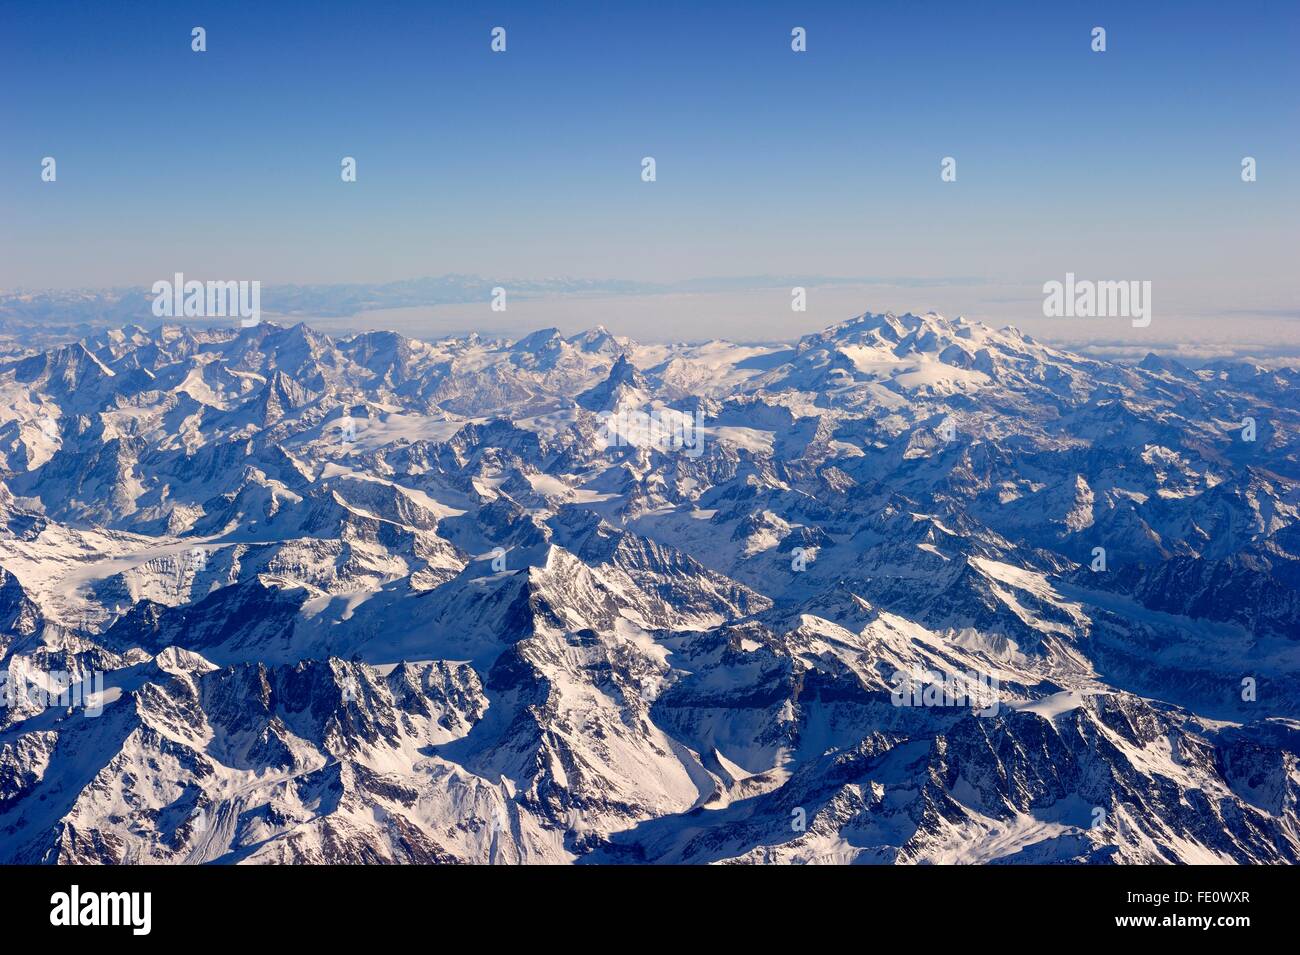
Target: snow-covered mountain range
585	600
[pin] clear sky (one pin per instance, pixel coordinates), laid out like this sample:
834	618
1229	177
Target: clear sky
225	164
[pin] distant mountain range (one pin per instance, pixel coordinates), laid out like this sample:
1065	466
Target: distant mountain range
907	590
36	311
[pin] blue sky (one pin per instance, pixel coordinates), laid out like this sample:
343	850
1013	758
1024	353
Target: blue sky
226	164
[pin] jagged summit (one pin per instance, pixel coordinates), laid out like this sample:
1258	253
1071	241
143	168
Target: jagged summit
579	599
624	385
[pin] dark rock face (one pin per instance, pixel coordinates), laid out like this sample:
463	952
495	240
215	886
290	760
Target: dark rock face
908	591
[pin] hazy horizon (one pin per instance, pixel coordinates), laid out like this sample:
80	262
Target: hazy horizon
745	311
225	164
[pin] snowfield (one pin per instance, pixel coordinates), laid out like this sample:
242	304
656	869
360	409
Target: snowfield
373	599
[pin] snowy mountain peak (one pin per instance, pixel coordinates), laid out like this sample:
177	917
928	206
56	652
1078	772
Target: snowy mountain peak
372	599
